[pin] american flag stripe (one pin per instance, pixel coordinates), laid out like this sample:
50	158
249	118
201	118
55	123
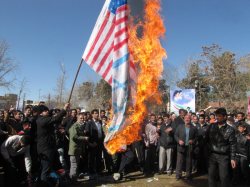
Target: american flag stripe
107	70
105	57
120	12
98	45
98	36
99	53
122	8
106	52
110	79
120	32
119	45
105	42
120	37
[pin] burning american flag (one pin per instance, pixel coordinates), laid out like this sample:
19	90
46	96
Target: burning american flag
108	53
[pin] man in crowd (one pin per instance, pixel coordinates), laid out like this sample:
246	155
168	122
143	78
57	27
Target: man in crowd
70	120
180	119
196	124
3	127
242	155
185	136
240	119
167	144
46	143
14	123
150	140
202	164
222	146
94	132
11	149
27	113
77	145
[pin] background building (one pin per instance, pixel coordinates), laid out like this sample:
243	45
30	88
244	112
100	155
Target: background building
7	101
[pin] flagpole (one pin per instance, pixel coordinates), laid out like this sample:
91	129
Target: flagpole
79	67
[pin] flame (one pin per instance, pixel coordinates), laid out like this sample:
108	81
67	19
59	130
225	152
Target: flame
148	54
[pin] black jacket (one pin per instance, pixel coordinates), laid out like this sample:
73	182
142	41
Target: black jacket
202	130
68	122
45	132
242	146
177	122
180	134
166	139
92	132
221	140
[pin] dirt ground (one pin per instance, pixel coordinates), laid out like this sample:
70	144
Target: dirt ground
138	180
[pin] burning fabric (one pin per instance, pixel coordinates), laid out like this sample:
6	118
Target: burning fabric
108	53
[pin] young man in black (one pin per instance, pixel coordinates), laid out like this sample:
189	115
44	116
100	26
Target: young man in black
241	172
222	147
95	133
46	142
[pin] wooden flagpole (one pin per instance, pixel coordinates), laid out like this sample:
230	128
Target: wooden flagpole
79	67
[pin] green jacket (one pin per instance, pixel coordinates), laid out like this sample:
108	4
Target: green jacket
77	139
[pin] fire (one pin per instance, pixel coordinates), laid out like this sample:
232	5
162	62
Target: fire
148	54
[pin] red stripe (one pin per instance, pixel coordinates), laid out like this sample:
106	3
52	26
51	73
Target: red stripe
121	8
103	60
119	45
104	42
98	35
120	32
110	81
121	20
107	69
132	65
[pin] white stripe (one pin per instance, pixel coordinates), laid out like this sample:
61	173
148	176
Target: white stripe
109	75
106	47
106	64
121	39
103	53
96	28
121	14
100	41
123	51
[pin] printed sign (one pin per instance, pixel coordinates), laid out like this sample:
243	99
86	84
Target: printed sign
182	99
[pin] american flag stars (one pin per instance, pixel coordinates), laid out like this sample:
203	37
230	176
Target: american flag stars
114	4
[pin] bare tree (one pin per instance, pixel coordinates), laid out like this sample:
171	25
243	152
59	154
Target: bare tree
6	66
171	74
60	86
22	87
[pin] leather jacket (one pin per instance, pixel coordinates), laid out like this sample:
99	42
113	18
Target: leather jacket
222	140
242	146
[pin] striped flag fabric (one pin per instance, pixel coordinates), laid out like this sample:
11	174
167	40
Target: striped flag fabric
100	49
108	55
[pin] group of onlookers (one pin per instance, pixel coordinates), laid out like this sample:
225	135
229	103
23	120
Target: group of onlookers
42	146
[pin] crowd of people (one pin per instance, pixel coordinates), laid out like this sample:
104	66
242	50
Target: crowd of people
46	146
